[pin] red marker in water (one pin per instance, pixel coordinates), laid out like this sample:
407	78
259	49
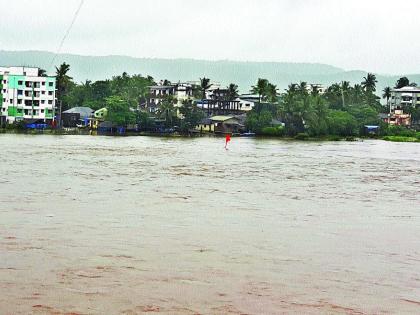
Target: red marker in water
227	140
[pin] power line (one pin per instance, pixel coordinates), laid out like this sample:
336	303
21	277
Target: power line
67	33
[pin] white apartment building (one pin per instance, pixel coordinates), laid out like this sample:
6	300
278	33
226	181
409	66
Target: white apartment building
404	97
179	92
24	95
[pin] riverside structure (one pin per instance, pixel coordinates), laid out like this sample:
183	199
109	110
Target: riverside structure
25	95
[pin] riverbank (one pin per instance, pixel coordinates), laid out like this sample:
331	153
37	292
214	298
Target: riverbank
299	137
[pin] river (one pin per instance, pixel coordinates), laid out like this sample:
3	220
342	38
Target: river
133	225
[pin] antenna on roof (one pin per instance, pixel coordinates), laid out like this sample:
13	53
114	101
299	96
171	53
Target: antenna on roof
67	33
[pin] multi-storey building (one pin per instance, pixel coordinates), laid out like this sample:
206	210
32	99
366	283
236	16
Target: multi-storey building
408	96
25	95
179	92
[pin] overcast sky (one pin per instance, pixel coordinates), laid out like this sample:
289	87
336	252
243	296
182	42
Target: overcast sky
375	35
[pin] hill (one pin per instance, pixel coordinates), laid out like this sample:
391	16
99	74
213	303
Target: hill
244	74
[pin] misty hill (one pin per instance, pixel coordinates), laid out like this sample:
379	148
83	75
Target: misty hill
244	74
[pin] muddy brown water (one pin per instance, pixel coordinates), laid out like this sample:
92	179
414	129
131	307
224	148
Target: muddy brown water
103	225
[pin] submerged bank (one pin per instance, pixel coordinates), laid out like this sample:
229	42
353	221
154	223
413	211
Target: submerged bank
299	137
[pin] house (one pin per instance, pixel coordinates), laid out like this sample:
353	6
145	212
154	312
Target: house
98	117
310	87
407	96
24	95
157	93
76	116
221	124
397	118
205	125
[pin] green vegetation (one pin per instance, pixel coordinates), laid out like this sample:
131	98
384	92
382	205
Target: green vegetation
301	111
342	111
119	112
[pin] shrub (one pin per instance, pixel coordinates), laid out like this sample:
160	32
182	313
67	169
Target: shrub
400	131
302	136
272	131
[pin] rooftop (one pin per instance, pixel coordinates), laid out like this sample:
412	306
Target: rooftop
409	89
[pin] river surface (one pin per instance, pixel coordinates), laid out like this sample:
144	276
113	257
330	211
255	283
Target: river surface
108	225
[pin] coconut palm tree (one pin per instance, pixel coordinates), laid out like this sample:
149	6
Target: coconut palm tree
63	82
387	94
260	88
314	90
204	86
369	82
303	88
292	88
167	111
272	93
403	81
345	89
232	91
357	94
42	72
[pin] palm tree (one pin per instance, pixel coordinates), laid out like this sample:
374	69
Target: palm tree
42	72
260	88
167	111
387	94
204	86
272	93
63	81
232	91
357	94
369	82
403	81
345	88
314	90
303	88
292	88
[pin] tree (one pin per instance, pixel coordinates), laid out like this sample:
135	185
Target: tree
232	91
356	94
204	86
42	72
257	121
341	123
271	93
402	82
191	115
369	82
387	94
345	90
317	116
314	90
302	88
63	83
260	88
167	111
119	111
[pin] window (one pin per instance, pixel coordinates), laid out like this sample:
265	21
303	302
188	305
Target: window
20	82
11	101
19	92
50	102
50	83
4	90
19	101
5	81
42	111
43	92
42	101
43	83
50	93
